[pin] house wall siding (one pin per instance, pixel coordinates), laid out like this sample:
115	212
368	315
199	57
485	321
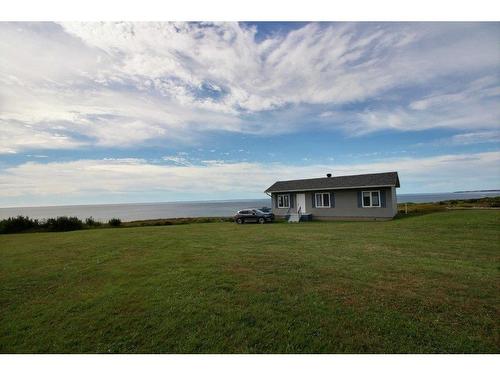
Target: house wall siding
346	205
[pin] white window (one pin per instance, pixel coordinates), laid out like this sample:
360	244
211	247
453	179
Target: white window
283	201
371	198
322	200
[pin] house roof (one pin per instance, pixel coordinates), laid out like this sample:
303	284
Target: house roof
338	182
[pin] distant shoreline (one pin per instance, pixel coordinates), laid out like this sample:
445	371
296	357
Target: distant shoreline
476	191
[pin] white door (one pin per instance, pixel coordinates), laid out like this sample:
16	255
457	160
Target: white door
301	203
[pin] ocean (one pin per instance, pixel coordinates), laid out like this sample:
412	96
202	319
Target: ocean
164	210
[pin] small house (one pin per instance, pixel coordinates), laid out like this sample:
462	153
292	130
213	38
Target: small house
363	197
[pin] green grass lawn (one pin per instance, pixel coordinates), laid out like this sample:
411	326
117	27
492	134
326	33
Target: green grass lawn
421	284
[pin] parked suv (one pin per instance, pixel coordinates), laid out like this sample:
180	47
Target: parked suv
253	215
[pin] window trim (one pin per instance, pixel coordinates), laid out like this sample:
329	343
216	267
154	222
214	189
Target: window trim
371	199
322	200
278	200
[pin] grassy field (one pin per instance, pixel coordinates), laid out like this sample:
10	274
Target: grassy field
421	284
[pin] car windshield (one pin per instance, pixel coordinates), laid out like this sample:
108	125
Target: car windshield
259	211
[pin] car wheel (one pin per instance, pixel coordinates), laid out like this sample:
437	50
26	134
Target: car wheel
239	221
262	220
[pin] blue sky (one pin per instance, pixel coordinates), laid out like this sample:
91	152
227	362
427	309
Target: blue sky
138	112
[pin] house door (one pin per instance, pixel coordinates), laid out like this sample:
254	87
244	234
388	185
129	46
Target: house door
301	202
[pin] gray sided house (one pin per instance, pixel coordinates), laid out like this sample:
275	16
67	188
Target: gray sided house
362	197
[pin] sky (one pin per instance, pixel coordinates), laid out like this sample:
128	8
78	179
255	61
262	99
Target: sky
149	112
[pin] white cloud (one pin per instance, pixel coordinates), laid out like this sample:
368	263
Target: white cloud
15	136
476	137
216	179
178	159
471	106
31	118
37	156
465	139
122	84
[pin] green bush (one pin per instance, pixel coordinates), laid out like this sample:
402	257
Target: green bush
63	224
18	224
91	222
115	222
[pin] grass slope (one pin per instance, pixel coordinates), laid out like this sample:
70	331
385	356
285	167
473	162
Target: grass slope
421	284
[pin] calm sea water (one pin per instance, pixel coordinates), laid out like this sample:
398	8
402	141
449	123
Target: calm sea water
144	211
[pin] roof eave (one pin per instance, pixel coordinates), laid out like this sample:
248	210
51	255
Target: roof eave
332	188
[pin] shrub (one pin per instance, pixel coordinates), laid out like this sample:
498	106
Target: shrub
91	222
18	224
63	223
115	222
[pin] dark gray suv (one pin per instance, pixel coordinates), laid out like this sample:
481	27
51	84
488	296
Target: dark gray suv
253	215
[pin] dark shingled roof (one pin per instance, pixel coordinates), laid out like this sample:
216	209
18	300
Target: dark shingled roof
338	182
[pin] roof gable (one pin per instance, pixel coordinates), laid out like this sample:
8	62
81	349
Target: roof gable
338	182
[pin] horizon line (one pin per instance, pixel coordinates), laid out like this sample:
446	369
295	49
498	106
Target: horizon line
224	200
